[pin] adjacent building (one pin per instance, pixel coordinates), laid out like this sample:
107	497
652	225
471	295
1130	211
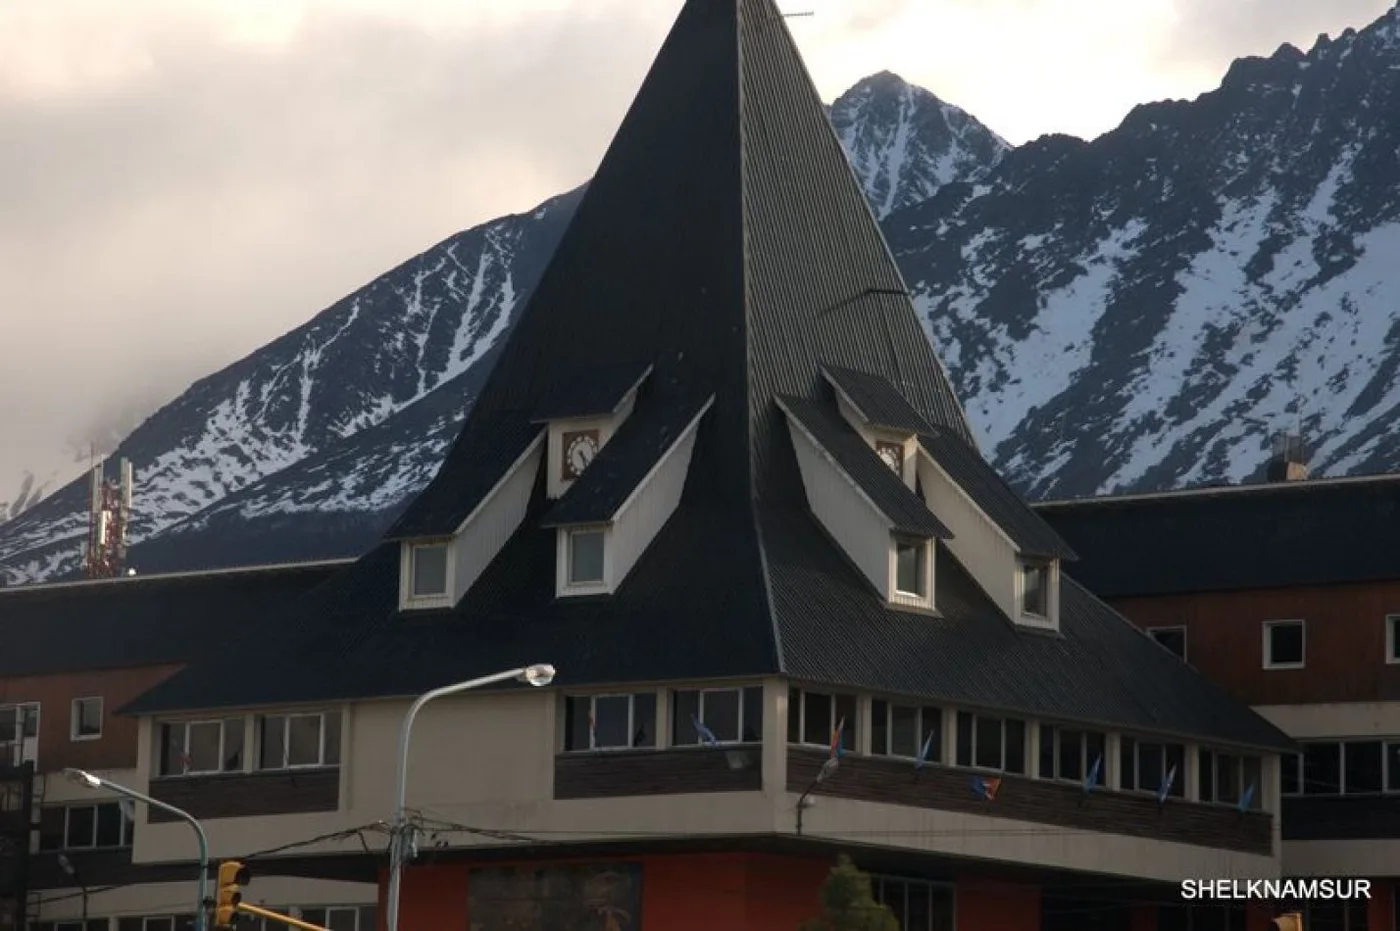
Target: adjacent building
1287	595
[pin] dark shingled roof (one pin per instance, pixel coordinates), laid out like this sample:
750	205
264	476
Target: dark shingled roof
876	400
625	460
1008	510
1313	532
905	510
142	620
470	474
725	239
590	390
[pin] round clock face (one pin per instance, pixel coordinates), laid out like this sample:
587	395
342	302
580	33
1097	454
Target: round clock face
891	457
580	453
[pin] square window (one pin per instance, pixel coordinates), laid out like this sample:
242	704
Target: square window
586	557
910	567
1283	645
1035	589
429	570
86	718
1173	638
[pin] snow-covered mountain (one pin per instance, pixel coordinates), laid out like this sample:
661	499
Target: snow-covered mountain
1137	312
304	447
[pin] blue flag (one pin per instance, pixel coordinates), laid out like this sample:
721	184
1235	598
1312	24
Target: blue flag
1165	788
707	736
1093	777
1246	798
924	751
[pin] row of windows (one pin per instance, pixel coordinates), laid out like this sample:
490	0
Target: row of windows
1285	642
1343	767
19	728
87	827
336	918
281	741
428	564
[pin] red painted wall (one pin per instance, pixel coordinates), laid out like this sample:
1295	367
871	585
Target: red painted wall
1380	915
988	905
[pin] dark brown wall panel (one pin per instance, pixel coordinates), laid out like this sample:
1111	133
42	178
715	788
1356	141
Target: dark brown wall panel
1355	817
656	772
873	779
243	795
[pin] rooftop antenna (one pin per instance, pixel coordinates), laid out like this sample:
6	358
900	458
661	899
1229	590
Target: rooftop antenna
109	516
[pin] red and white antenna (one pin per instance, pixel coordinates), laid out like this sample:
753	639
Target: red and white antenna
109	515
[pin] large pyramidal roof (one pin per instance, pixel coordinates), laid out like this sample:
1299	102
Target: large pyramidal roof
726	248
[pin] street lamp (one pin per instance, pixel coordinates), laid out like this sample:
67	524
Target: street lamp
540	674
67	866
90	781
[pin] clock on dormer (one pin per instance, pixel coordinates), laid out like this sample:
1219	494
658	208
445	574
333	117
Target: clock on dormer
892	454
577	450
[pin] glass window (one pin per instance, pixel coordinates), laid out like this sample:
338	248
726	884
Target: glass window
586	557
1145	765
204	746
82	827
304	740
814	716
1392	768
732	715
917	905
991	743
1283	644
200	747
1253	775
332	727
609	722
272	754
298	740
1363	767
902	730
909	567
1290	774
429	570
86	718
1227	779
1034	589
1322	768
1173	638
1070	754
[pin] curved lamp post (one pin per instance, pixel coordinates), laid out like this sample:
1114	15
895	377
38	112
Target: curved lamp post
84	778
540	674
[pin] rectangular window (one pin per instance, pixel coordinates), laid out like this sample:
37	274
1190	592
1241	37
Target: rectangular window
910	567
19	733
917	904
1224	778
1392	640
429	570
85	719
1069	754
1363	764
298	741
1035	589
1144	766
586	557
1283	645
1291	774
336	919
89	827
904	730
609	722
732	715
191	748
1322	768
814	716
987	742
1173	638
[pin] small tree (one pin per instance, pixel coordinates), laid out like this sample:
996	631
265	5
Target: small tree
848	905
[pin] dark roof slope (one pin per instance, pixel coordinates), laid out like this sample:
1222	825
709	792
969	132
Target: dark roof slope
876	400
1008	510
590	390
1316	532
141	621
906	512
452	495
623	463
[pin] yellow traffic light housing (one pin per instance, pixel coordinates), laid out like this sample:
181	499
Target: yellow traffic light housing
232	877
1293	921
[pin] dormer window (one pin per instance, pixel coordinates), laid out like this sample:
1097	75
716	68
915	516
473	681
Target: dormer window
910	567
586	551
1035	589
429	571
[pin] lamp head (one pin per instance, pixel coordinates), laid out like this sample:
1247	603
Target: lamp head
540	674
66	865
83	778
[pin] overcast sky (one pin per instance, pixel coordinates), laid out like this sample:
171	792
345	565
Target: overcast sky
182	181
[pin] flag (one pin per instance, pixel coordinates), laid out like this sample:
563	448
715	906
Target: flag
592	730
1246	798
1093	776
1165	788
987	788
922	758
838	751
706	735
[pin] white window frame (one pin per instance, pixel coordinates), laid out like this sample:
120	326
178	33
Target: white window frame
125	822
877	891
922	728
185	745
1085	760
1392	641
1022	566
1269	626
631	720
852	726
921	549
739	692
287	763
75	718
1186	763
427	599
26	749
1185	639
328	909
1026	726
1389	746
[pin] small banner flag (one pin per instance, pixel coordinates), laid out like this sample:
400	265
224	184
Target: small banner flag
1093	777
592	731
707	736
1166	787
1246	798
922	759
986	788
838	751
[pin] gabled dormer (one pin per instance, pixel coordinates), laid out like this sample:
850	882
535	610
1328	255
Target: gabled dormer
883	527
609	513
586	407
460	522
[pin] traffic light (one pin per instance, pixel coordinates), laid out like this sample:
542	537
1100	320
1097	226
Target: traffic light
232	877
1293	921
